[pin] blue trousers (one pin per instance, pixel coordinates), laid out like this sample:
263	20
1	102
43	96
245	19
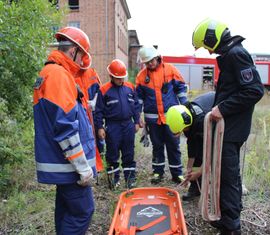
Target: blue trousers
74	207
120	137
161	136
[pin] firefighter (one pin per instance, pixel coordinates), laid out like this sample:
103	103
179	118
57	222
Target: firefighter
160	86
64	141
117	103
89	82
239	88
190	120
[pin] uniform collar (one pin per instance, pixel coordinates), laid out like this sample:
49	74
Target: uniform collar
225	46
62	59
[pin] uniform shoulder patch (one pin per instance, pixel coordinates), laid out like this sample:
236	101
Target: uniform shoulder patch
197	109
38	83
247	75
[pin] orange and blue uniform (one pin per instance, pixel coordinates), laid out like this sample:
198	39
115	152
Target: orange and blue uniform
157	91
89	82
62	132
119	106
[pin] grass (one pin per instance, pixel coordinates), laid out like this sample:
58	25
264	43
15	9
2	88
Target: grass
257	160
29	212
29	208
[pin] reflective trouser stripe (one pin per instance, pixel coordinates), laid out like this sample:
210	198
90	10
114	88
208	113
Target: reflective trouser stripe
129	169
158	164
175	166
113	171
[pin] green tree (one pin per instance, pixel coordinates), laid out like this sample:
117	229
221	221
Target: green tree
25	32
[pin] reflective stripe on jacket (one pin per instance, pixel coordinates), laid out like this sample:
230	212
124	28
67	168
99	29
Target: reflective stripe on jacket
116	103
158	90
62	129
90	83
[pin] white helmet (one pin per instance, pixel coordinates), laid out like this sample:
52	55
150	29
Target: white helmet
147	53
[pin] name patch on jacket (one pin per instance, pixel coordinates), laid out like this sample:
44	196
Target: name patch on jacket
247	75
38	83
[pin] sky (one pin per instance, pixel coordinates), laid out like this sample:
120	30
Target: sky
170	23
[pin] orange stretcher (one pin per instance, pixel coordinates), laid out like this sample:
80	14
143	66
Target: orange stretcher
149	211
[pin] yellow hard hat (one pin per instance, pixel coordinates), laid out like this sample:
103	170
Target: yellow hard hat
178	118
208	34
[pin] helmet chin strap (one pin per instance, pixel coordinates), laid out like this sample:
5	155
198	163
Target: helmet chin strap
76	53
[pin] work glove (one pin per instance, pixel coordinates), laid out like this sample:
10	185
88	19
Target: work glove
84	170
92	103
144	138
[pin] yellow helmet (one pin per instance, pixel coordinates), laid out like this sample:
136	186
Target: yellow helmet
208	34
178	118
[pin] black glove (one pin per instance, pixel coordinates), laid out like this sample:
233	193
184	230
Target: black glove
144	138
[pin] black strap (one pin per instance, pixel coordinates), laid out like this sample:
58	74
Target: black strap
49	62
80	94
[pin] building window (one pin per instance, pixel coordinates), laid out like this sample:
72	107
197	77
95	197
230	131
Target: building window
73	4
74	24
208	76
55	3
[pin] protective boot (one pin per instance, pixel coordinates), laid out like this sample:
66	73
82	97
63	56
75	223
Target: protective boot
217	224
230	232
113	178
131	183
192	193
178	179
157	178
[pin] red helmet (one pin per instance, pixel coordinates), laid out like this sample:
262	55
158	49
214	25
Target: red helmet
78	37
117	69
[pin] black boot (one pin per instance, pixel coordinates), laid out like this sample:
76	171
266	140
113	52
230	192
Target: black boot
230	232
193	192
131	183
157	178
217	224
178	179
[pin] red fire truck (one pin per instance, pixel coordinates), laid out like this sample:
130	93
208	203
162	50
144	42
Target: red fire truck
200	73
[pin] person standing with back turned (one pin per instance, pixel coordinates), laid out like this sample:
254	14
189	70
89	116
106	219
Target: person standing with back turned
64	140
160	86
238	89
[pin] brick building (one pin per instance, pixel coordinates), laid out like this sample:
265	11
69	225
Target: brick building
134	46
105	22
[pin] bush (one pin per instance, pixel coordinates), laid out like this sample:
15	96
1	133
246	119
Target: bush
9	147
25	32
